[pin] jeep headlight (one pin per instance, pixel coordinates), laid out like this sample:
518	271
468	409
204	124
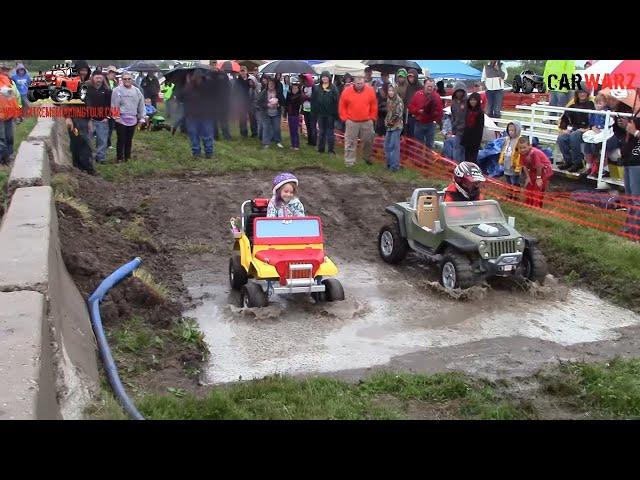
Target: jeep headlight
482	245
520	244
486	255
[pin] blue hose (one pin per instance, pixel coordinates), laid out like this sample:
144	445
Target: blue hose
107	359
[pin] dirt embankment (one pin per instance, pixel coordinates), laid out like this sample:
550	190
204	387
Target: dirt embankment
178	224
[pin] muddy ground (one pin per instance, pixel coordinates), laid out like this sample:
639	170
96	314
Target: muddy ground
392	315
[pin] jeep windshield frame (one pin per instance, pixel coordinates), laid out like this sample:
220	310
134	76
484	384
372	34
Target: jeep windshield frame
287	230
473	213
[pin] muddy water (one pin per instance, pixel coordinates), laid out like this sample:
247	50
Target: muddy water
383	316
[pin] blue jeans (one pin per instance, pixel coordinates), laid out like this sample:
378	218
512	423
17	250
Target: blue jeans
512	179
494	102
452	148
570	144
632	187
294	130
325	133
410	128
559	99
6	139
102	136
260	122
425	132
392	149
221	123
200	128
271	130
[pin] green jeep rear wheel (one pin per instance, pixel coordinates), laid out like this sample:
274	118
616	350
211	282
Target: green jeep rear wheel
391	245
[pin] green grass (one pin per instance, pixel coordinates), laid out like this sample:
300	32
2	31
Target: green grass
65	184
136	233
188	331
20	132
608	264
156	288
603	390
159	153
384	396
78	205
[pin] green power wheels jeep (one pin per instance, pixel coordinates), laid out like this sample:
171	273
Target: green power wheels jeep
470	241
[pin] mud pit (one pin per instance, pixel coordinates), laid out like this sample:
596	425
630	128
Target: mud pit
390	318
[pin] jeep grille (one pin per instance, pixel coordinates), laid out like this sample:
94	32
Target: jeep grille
500	247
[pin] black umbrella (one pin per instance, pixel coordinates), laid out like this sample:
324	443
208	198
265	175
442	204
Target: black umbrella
391	66
142	66
288	66
178	75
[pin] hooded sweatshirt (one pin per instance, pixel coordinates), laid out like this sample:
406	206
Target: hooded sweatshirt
253	93
509	156
130	102
412	88
395	111
324	103
23	80
458	110
293	102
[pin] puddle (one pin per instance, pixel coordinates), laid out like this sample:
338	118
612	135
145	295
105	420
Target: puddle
383	316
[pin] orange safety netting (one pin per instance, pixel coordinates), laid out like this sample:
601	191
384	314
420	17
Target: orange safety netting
416	156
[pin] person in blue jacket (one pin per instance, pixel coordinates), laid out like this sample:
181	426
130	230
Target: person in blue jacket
22	80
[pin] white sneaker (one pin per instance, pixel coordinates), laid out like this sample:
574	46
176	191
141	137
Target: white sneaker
279	145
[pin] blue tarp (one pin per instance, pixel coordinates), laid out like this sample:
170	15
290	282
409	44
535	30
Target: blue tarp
314	62
454	69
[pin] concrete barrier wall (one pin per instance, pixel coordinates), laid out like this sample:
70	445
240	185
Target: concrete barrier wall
53	133
48	357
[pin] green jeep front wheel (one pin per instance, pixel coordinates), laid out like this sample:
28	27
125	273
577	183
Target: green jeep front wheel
534	265
456	271
391	245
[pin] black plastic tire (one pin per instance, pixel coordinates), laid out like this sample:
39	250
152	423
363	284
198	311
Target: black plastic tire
31	96
391	245
516	84
534	265
333	290
55	95
237	274
463	276
253	296
527	86
541	87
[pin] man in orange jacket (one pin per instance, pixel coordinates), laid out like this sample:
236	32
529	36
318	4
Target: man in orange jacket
358	108
10	108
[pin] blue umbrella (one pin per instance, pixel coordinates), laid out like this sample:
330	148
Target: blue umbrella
314	62
454	69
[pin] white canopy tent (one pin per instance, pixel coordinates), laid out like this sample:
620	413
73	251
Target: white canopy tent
341	67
